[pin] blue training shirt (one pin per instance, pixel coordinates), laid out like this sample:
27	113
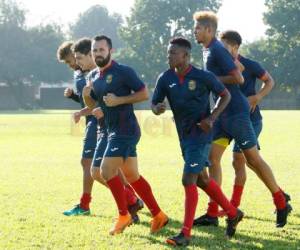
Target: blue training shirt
120	80
188	96
253	70
218	60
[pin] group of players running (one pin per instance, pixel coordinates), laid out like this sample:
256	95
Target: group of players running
210	107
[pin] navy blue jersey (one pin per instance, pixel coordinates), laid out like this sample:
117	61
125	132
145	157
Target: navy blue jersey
253	70
188	97
80	82
120	80
219	61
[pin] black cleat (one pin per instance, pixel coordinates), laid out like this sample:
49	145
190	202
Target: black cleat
178	240
282	215
133	209
206	220
232	223
287	197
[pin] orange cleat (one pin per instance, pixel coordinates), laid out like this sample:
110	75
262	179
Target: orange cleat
158	222
121	223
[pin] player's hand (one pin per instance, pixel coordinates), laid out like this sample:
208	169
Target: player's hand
97	112
160	108
111	100
76	117
206	124
68	92
239	65
253	100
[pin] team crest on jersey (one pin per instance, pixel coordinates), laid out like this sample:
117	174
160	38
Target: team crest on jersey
192	85
109	79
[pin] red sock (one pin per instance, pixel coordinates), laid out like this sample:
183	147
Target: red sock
130	195
236	195
143	189
191	200
118	191
279	200
214	192
213	209
85	201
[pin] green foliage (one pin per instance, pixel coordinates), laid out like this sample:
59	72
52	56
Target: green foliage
280	52
96	20
150	27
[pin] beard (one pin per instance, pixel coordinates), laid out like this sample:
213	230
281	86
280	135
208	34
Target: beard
101	62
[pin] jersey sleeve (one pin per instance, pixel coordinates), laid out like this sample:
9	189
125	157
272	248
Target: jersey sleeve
258	71
225	60
159	93
213	84
132	80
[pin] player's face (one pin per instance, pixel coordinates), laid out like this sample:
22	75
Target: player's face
176	56
83	61
200	32
71	62
101	53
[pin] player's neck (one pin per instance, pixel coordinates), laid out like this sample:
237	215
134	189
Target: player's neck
208	41
180	70
106	66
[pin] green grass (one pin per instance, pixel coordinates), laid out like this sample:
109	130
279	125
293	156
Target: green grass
40	176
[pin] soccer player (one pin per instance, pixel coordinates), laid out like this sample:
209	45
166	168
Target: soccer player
66	55
78	56
187	90
234	122
112	84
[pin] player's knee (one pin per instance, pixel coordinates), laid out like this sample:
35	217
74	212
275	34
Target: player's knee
254	161
202	180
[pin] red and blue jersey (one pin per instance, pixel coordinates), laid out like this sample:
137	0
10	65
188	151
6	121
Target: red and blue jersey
253	70
188	96
219	61
120	80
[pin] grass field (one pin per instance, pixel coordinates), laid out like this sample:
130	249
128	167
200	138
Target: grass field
40	176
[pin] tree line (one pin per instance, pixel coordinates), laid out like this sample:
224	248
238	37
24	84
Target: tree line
28	54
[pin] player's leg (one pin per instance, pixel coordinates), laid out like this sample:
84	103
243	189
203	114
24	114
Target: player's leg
144	190
89	145
215	172
109	172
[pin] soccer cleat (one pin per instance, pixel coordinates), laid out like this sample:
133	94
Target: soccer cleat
77	210
121	223
232	223
178	240
133	209
287	199
158	222
206	220
282	214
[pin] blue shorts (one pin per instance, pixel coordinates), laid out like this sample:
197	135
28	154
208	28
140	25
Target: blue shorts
123	146
90	140
257	126
195	157
100	149
238	127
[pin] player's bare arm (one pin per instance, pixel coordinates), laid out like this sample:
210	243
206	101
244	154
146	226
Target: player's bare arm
267	86
207	124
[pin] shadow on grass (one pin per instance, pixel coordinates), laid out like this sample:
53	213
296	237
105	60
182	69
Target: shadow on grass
214	238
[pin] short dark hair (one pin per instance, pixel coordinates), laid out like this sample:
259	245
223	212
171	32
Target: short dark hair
103	37
232	37
181	42
64	50
82	46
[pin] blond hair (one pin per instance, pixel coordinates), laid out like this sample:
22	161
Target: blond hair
64	50
206	18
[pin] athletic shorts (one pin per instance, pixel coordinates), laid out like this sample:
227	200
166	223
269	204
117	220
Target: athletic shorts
90	140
